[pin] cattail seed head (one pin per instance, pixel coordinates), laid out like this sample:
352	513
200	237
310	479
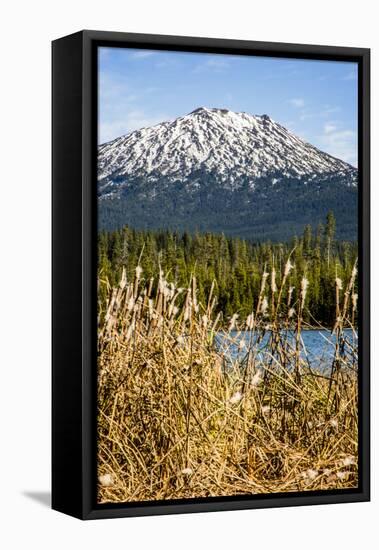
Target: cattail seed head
264	306
241	345
122	283
250	321
106	480
303	293
264	280
233	321
348	461
287	268
273	280
236	398
338	283
256	379
310	474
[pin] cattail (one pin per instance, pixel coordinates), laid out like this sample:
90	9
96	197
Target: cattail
204	320
130	305
310	474
106	480
291	312
180	340
303	293
338	283
264	306
241	345
138	305
175	311
290	292
250	321
354	300
236	398
348	461
287	268
354	272
232	322
138	271
274	288
188	307
256	379
122	283
264	280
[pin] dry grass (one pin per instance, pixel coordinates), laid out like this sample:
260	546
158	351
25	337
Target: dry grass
180	417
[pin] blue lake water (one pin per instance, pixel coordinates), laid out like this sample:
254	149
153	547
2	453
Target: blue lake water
317	346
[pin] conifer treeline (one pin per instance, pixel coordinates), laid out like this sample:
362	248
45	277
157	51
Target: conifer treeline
235	264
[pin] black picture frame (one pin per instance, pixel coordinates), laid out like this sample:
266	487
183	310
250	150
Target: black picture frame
74	136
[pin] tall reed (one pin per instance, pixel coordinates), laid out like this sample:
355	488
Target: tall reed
191	404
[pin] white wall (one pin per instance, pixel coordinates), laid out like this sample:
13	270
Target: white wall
26	31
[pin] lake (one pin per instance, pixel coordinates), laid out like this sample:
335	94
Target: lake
317	345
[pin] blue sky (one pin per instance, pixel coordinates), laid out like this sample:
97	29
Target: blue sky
317	100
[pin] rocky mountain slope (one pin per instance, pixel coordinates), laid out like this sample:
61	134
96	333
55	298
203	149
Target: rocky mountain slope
217	170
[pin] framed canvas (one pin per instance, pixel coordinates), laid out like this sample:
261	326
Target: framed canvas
210	275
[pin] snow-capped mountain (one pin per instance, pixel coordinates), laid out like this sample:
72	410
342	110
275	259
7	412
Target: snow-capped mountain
235	160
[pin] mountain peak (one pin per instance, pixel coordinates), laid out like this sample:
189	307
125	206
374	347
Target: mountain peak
233	146
223	111
207	110
217	170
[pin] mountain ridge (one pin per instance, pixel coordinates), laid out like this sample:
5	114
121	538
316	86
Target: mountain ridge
180	167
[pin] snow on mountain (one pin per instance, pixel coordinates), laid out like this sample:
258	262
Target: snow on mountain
231	146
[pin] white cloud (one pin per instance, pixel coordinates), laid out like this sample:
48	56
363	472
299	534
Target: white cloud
128	122
329	110
119	107
329	128
142	54
215	64
340	143
297	102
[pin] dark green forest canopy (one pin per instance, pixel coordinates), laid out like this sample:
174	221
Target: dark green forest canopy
234	264
270	212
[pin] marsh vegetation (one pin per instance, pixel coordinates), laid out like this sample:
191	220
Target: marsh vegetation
180	417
